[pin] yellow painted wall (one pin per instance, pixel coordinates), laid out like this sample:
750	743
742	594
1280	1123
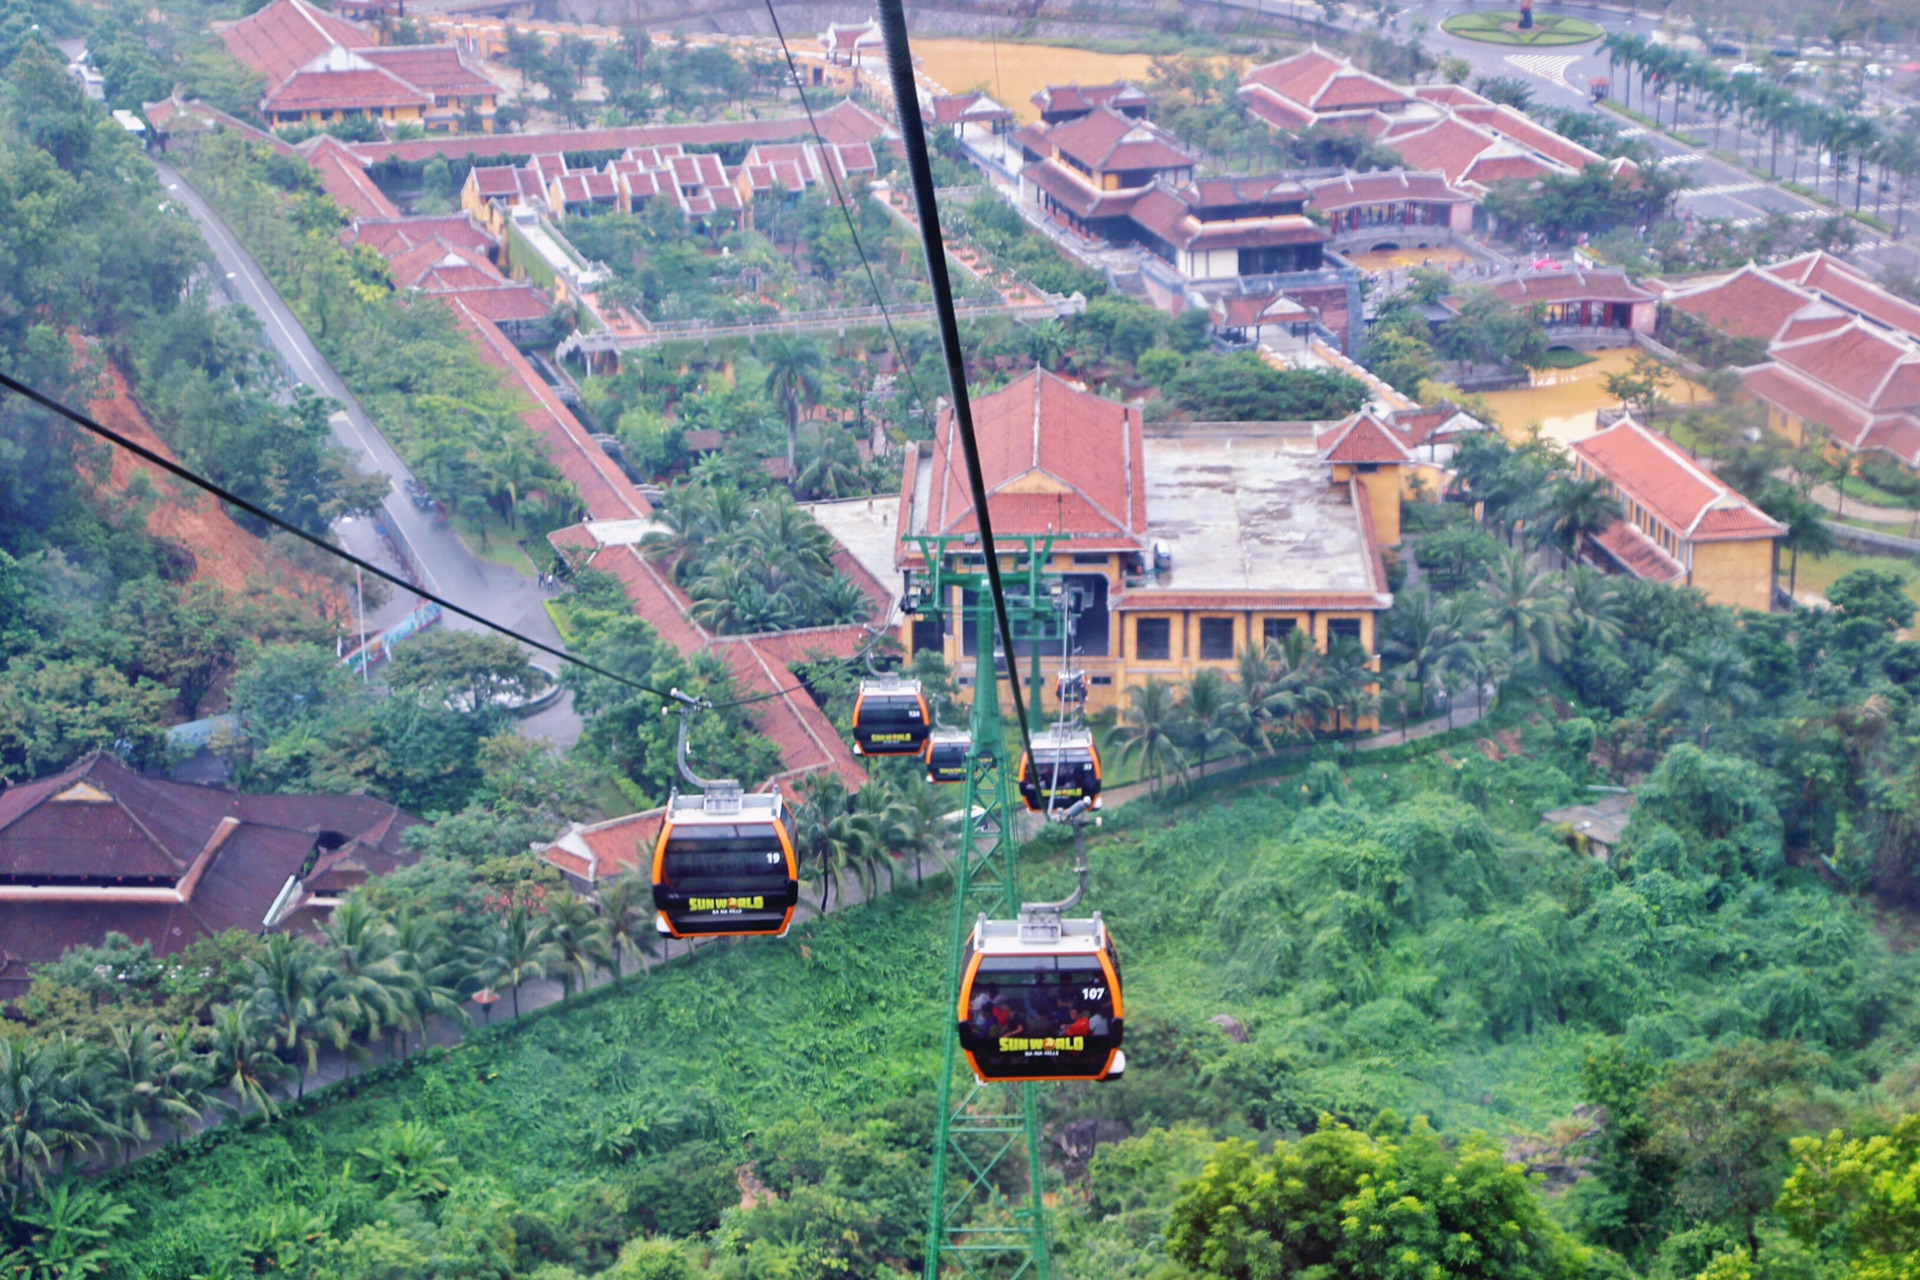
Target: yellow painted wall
1739	574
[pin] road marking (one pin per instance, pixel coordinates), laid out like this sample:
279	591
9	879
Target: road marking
1685	157
1724	189
1551	67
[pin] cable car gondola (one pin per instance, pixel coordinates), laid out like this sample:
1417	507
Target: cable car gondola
1062	768
724	866
1071	688
947	751
1040	999
890	718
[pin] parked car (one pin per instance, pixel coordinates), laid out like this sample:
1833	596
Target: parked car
1875	71
1745	69
1816	51
1724	49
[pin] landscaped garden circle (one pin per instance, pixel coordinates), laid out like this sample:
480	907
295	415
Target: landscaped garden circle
1503	27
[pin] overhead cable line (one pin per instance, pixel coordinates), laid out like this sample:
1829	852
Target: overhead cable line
227	496
906	101
846	211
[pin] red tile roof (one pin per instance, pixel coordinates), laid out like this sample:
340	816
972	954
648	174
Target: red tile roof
280	38
345	181
1750	303
603	850
391	236
1073	191
1447	146
843	122
1509	166
1352	89
1053	457
1059	98
1851	288
1639	554
1265	105
1898	435
1508	123
505	303
1685	496
1301	78
1376	188
952	109
439	69
1106	141
1573	285
437	266
1794	393
1451	95
1863	362
603	487
1362	439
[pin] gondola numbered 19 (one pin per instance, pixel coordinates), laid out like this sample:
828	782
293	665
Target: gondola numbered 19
724	864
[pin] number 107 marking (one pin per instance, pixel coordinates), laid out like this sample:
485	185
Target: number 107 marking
1093	993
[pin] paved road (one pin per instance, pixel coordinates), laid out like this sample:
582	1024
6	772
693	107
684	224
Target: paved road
444	563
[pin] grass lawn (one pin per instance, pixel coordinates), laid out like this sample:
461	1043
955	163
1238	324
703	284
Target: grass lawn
1861	489
562	620
1494	28
1819	574
492	540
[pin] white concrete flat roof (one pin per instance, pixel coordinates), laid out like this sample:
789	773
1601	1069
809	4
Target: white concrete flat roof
621	533
1251	513
865	527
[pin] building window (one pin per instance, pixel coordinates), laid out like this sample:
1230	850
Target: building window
1216	639
1152	639
1343	628
1276	630
1100	558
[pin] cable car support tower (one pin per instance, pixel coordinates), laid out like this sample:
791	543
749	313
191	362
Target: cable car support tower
977	1226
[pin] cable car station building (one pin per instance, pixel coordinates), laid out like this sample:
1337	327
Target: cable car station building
1179	545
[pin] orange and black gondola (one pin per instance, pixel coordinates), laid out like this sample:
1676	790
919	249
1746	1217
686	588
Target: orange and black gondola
890	718
1041	1004
1062	769
947	752
724	866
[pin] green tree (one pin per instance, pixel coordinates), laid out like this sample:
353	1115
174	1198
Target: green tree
1571	510
46	1113
1149	733
1852	1199
515	949
1213	715
69	1236
1709	683
1724	1121
1878	595
796	374
1525	603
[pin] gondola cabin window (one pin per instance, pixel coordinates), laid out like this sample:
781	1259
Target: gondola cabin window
1040	1015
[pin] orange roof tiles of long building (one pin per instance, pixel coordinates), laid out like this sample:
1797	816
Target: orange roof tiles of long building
1362	439
1639	553
1105	140
346	183
1685	496
1300	78
1852	288
1053	457
1750	303
1866	364
436	68
358	88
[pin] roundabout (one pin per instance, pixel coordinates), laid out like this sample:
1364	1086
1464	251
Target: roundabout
1498	26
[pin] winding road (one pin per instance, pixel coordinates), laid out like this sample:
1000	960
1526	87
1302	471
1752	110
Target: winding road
441	560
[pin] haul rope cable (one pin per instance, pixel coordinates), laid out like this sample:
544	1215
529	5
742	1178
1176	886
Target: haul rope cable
260	513
846	211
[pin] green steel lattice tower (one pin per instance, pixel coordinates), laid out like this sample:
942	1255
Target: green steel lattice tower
977	1225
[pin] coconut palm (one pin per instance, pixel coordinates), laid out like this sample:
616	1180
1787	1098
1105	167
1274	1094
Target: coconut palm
366	990
135	1072
795	373
1214	714
626	906
580	936
287	978
1149	731
830	465
1707	684
917	826
1524	601
516	949
1594	606
1570	510
831	837
243	1061
46	1113
1422	634
1352	685
421	948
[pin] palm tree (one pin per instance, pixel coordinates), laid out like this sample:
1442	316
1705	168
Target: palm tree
286	1000
135	1080
1593	604
1047	342
421	948
366	989
1350	682
831	836
580	936
515	950
1422	634
832	467
917	826
626	906
45	1112
1148	732
795	371
1706	684
1525	602
1572	509
1213	714
243	1061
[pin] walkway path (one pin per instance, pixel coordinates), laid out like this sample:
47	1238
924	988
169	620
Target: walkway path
1854	509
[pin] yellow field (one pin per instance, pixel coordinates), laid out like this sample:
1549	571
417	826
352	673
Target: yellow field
1393	259
1012	73
1564	401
